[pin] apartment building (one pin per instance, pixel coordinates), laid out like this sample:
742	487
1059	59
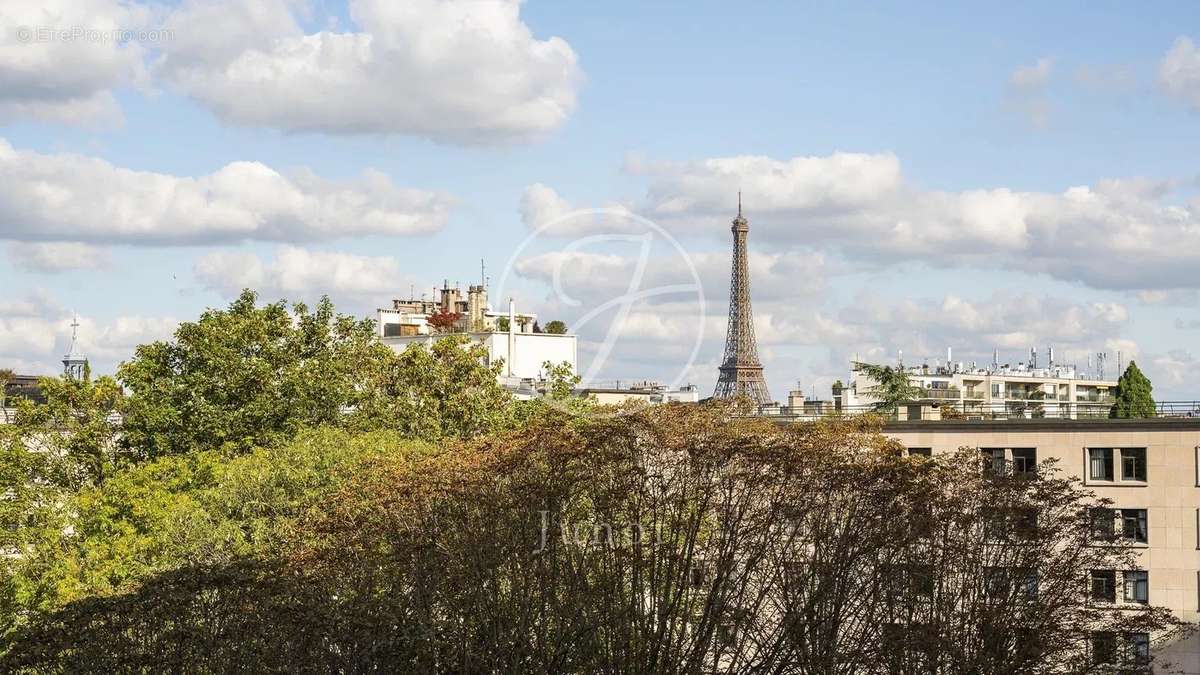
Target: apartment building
1150	468
995	391
512	337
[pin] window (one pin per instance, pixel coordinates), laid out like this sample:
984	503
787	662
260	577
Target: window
907	584
729	627
995	583
1133	525
1126	649
1103	586
1133	464
1024	462
1023	522
1137	586
993	459
995	527
923	452
1005	524
996	391
727	633
1020	583
1103	523
1100	463
1027	579
1104	648
1137	646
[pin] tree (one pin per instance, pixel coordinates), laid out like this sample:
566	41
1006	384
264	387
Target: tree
6	376
502	324
561	378
893	386
444	322
1135	397
246	376
674	539
556	327
204	508
448	389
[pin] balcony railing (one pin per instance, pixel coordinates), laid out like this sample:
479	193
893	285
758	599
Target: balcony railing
998	410
941	394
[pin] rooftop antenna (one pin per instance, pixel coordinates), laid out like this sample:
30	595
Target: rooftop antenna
482	273
995	358
739	203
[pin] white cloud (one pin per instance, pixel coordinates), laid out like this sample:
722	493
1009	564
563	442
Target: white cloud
1117	78
1035	76
861	206
459	71
50	70
75	198
36	333
542	209
1003	320
1179	72
1027	95
468	71
359	282
53	257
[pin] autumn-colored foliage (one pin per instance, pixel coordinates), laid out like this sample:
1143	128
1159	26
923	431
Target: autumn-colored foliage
675	539
443	321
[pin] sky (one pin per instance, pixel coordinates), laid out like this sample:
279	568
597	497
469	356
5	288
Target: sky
917	176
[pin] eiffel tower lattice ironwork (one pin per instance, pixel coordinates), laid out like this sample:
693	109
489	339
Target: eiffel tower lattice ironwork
741	373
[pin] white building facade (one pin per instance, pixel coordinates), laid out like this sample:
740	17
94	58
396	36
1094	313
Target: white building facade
998	391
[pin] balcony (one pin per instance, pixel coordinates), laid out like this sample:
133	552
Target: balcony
950	394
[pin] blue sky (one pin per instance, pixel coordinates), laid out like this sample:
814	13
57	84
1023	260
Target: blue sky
916	176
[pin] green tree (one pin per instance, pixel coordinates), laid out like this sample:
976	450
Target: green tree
502	324
447	389
51	449
247	376
201	508
1135	394
556	327
892	386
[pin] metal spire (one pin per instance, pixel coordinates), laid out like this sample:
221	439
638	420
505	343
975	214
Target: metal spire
741	373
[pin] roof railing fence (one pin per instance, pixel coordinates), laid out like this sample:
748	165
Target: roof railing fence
996	410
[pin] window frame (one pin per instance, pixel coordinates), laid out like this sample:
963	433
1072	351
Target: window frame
1141	520
1109	578
1137	580
1138	457
1107	459
1024	464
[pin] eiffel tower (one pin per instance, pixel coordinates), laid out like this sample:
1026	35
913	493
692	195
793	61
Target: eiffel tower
741	371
